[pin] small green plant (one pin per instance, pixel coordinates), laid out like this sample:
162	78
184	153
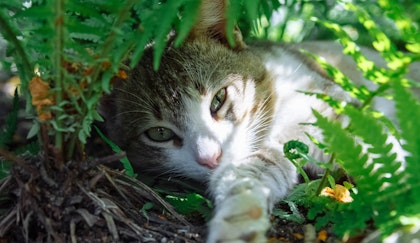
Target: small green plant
124	161
190	204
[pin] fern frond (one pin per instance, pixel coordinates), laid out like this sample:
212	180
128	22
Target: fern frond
170	11
371	182
408	114
86	30
378	181
366	66
373	134
31	148
189	15
10	31
233	10
340	142
361	93
153	26
407	26
89	11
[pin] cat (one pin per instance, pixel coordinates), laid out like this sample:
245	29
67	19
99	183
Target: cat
220	114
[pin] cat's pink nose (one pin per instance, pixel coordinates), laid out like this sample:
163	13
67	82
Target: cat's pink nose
210	160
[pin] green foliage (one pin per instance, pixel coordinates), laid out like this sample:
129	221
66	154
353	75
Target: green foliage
124	161
294	214
385	191
292	21
190	204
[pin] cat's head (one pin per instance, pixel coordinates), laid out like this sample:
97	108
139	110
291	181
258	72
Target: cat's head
207	105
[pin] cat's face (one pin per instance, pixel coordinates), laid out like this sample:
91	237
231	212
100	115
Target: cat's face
206	106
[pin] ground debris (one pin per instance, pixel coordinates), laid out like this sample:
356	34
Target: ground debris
82	204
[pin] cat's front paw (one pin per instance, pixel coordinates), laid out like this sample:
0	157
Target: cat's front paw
242	217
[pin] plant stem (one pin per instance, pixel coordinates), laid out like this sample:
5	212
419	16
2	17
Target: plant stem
10	35
325	176
59	75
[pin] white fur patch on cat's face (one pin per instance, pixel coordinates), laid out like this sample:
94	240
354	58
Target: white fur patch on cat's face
210	141
215	131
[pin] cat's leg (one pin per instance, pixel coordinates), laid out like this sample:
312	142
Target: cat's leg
244	193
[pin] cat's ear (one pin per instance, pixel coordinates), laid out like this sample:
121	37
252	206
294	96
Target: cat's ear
211	24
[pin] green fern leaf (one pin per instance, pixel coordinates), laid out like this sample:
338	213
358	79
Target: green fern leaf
341	143
170	11
189	14
233	11
371	132
251	8
32	148
408	114
91	29
86	10
361	93
368	68
35	12
143	38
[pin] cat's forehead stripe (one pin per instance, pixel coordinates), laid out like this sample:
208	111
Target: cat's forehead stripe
201	88
157	112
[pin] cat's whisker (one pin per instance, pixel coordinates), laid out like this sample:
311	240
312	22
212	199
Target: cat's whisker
127	112
143	106
259	124
129	93
134	121
142	103
165	172
298	67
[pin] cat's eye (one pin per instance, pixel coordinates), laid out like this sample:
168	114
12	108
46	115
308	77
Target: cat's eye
218	101
160	134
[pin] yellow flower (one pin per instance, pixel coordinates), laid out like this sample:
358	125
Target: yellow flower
339	193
